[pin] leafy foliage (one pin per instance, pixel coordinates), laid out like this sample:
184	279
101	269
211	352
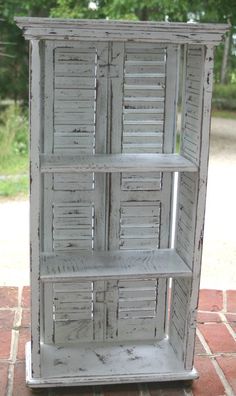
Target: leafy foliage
14	50
14	186
13	134
224	97
14	62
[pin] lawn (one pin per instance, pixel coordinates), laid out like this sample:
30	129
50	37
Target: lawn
229	114
13	151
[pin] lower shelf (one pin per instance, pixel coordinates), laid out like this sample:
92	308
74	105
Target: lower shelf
110	363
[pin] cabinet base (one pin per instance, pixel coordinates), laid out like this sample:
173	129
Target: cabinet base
110	364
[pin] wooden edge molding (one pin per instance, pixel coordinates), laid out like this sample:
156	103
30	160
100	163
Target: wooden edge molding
74	29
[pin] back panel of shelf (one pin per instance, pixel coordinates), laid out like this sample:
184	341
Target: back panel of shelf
103	98
108	98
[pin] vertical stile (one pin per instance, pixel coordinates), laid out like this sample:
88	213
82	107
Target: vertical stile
115	102
172	70
101	203
101	145
116	128
172	67
48	143
35	198
48	321
111	303
99	310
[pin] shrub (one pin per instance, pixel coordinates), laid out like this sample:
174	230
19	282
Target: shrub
13	131
224	97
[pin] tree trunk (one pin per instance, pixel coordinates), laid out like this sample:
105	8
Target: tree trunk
223	77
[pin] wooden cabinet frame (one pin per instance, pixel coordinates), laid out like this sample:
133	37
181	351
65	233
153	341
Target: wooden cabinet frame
103	133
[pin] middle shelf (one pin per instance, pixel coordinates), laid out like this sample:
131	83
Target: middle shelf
116	163
113	265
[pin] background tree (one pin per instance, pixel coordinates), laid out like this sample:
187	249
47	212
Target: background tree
160	10
14	50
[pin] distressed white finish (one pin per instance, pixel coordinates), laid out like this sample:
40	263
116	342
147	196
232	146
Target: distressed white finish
158	358
72	29
113	265
116	163
103	130
35	204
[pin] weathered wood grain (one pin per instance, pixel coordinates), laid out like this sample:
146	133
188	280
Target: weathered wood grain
103	30
116	163
103	124
36	234
113	265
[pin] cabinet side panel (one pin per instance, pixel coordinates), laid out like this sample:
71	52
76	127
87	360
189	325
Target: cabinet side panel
192	187
179	309
36	78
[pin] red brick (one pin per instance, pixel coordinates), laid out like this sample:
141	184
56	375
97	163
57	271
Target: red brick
119	390
170	389
8	297
231	319
5	343
207	317
209	383
24	337
228	366
19	387
218	337
210	300
199	349
26	319
81	391
6	319
231	300
25	300
3	378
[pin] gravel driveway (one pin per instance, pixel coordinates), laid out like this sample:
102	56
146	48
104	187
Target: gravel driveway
219	255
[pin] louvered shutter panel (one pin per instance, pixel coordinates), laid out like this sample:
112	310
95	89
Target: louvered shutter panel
74	206
140	202
74	203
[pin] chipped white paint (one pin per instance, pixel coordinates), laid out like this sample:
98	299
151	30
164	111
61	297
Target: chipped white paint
113	265
103	127
116	163
162	32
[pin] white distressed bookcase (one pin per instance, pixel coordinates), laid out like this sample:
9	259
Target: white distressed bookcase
103	131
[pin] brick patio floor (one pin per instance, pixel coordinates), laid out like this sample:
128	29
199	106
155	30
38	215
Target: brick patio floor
215	357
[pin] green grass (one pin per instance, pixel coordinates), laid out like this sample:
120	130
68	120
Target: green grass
14	187
224	114
13	151
14	165
224	97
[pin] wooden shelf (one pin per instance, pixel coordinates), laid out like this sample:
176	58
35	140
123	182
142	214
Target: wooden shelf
116	163
114	265
94	363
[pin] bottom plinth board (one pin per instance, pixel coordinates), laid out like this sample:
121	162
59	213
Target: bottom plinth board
99	363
